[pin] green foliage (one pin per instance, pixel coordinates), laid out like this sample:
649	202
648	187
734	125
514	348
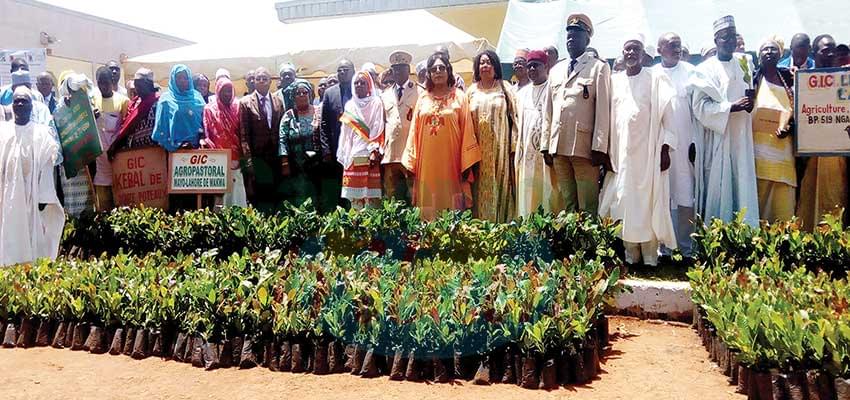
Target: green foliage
777	317
389	230
431	307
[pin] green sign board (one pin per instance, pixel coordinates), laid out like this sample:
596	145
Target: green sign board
78	133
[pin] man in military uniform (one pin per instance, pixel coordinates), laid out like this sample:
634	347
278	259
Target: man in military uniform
576	113
399	101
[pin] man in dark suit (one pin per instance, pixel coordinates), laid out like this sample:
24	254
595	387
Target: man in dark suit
333	105
261	113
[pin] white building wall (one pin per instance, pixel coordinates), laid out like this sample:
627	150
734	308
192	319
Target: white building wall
82	37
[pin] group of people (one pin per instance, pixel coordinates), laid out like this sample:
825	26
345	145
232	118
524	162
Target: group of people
651	146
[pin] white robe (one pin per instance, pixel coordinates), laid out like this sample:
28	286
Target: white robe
685	128
725	164
27	158
528	160
637	193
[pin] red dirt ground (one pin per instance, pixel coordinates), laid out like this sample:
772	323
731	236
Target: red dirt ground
647	360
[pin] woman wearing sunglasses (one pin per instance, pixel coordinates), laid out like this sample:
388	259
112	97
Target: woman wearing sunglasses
441	148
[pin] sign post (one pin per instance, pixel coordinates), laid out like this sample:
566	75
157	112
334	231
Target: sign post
822	112
140	177
36	59
78	133
199	172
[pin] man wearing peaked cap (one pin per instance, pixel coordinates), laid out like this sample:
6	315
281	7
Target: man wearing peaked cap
400	57
574	138
580	21
399	101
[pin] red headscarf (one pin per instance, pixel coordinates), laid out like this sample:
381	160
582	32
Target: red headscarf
137	111
221	121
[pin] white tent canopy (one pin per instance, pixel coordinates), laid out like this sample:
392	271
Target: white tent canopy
319	45
536	25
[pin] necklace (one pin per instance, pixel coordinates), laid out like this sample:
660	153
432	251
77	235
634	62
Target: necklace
788	90
436	119
492	85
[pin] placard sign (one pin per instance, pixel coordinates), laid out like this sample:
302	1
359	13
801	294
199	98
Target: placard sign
36	59
140	177
199	172
78	132
822	112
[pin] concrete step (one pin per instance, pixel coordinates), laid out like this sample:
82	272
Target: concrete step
648	299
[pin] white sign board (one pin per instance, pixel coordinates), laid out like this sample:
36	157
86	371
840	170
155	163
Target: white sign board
822	110
36	59
199	172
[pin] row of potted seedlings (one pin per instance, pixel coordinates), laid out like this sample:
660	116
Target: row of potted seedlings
391	229
826	248
777	333
535	324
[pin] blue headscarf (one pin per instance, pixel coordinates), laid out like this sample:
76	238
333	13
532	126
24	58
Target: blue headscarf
179	114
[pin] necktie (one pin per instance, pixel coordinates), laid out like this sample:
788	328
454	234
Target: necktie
573	63
263	110
398	90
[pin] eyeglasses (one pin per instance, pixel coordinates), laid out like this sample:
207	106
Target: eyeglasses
262	79
438	68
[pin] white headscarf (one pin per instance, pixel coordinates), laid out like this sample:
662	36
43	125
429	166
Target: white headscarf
74	82
369	110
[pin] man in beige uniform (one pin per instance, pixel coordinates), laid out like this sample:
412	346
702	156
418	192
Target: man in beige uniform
576	113
399	101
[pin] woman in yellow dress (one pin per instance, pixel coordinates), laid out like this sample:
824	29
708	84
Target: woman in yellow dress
774	153
493	106
441	148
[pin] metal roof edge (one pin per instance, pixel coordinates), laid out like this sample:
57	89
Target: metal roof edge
299	10
107	21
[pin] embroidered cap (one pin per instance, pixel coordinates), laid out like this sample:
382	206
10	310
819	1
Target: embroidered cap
537	56
723	23
21	77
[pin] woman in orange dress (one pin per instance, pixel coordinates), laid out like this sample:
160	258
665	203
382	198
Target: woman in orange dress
441	148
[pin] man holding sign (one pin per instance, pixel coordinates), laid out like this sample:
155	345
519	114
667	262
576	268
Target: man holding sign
78	134
823	189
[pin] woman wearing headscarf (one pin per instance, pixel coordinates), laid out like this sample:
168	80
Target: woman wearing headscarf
298	144
441	148
494	117
179	122
776	174
221	131
361	143
179	113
